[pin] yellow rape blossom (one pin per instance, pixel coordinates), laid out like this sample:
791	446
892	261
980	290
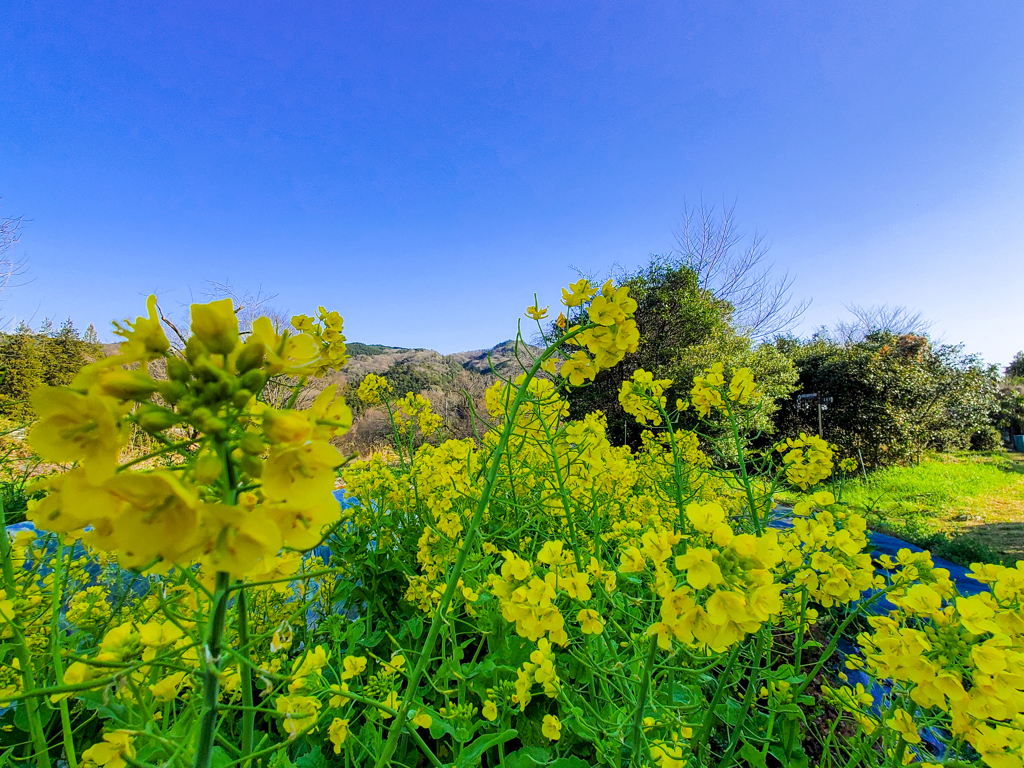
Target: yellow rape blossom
337	732
353	666
552	727
114	751
74	427
216	326
590	622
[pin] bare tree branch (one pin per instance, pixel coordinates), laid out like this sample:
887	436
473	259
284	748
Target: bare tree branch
10	268
710	245
249	305
897	320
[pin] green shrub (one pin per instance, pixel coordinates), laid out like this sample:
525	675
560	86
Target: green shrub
986	439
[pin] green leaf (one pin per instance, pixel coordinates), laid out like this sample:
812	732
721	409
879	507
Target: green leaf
415	626
569	762
21	716
355	632
219	758
528	757
797	759
470	756
312	759
752	755
438	725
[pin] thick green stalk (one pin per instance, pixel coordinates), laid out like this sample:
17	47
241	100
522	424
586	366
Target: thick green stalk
791	726
743	470
249	715
28	678
723	682
58	662
748	699
211	672
641	701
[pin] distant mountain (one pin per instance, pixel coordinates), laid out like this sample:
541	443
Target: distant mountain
430	368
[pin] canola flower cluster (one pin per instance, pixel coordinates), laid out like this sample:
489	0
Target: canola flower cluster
609	335
537	595
192	511
953	659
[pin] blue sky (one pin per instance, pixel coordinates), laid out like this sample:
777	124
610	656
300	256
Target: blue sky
425	167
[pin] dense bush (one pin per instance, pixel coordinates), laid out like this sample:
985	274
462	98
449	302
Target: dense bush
986	439
892	396
683	329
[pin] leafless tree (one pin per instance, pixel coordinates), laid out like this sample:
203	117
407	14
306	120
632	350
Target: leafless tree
711	245
249	305
10	268
897	320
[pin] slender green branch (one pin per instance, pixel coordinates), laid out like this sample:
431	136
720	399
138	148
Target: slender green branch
28	679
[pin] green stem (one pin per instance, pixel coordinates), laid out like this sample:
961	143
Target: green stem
831	647
792	725
748	698
21	646
249	716
675	460
211	672
58	662
641	701
723	679
743	468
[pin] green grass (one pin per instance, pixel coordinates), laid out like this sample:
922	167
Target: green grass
965	507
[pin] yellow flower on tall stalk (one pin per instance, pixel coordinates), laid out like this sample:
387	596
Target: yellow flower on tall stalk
578	293
216	325
145	338
160	518
76	427
742	388
372	389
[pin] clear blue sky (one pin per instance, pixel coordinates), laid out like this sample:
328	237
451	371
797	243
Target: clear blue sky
425	167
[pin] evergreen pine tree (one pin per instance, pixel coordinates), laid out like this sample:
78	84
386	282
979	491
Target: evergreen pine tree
21	371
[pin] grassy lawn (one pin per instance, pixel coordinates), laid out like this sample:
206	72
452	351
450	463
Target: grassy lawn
964	507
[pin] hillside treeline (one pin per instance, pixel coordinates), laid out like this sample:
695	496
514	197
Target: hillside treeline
29	358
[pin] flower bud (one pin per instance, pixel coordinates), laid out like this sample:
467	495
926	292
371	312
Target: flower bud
286	426
194	349
171	391
207	370
127	385
254	380
208	467
251	356
214	426
178	370
251	465
252	444
153	418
